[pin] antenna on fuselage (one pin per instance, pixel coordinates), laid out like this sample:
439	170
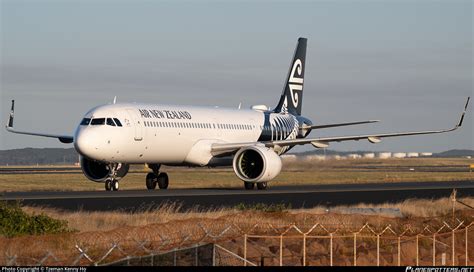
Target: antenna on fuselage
115	100
240	105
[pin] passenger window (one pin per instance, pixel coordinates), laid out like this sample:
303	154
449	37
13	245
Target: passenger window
98	121
85	121
117	121
110	122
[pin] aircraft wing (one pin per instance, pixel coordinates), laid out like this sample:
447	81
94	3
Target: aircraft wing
339	124
62	138
220	148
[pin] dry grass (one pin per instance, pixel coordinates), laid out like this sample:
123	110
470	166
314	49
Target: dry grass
170	227
301	163
411	207
104	221
84	221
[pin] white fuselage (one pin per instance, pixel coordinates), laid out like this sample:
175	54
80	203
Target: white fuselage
167	134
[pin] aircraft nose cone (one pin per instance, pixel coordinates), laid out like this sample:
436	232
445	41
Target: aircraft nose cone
84	144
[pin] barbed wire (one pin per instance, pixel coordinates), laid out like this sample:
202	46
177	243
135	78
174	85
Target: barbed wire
237	244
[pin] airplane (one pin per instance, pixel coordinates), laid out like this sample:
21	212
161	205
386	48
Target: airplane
111	137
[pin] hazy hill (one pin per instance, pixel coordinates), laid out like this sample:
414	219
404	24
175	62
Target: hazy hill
32	156
29	156
455	153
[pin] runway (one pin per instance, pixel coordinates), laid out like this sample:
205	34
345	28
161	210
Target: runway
298	196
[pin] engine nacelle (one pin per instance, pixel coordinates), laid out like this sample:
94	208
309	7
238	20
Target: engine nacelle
256	164
99	171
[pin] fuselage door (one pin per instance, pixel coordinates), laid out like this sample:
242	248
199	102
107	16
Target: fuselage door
137	124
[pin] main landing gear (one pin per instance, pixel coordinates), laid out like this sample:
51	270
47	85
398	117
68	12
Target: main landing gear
251	185
155	177
112	183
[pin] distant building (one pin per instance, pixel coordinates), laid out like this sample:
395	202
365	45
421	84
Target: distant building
399	155
289	157
315	158
354	156
369	155
385	155
426	154
412	154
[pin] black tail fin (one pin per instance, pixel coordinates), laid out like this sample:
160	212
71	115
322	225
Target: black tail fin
10	120
292	97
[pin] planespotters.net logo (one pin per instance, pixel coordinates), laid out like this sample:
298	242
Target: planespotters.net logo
438	269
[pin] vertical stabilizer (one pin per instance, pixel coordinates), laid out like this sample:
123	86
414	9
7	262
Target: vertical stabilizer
292	97
12	111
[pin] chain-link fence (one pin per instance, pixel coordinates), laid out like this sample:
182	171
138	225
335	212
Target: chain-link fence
322	245
219	244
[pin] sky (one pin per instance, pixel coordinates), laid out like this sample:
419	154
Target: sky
406	63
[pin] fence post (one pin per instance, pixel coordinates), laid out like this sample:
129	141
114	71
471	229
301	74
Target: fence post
214	254
196	256
399	257
174	258
304	249
245	249
452	254
378	249
330	249
417	250
467	256
281	250
355	248
434	249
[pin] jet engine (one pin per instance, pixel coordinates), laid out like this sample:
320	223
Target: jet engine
100	171
256	164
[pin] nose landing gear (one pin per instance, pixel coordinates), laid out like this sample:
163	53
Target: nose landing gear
112	183
155	177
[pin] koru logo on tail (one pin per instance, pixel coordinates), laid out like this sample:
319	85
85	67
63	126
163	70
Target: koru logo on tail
296	81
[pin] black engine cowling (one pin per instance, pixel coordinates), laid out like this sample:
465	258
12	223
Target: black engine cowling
100	171
256	164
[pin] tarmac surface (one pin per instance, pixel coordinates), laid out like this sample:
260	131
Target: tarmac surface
297	196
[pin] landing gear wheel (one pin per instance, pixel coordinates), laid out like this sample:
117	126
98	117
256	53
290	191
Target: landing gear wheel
108	185
115	185
162	180
249	185
151	181
262	185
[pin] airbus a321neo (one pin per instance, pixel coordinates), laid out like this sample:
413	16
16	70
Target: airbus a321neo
112	137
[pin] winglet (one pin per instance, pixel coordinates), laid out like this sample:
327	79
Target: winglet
463	113
10	120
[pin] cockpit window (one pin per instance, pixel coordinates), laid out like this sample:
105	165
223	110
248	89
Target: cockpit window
117	121
98	121
110	122
85	121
